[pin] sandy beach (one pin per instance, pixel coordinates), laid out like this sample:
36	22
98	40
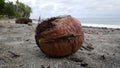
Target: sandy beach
18	49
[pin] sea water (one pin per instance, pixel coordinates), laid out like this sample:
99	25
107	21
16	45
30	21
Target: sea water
101	22
98	22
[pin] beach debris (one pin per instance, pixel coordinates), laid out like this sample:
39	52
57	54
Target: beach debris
84	47
84	64
103	57
42	66
14	55
23	20
89	46
27	39
66	62
40	19
75	59
117	28
59	36
48	67
10	27
29	24
5	58
2	26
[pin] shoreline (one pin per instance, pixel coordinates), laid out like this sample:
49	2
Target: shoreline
100	27
83	24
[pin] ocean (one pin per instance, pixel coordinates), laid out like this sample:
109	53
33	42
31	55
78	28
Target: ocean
98	22
101	22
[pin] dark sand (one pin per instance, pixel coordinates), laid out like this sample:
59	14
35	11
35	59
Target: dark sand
18	49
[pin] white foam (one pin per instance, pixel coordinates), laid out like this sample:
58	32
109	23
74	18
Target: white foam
102	25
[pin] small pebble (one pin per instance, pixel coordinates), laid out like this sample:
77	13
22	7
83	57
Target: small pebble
84	64
103	57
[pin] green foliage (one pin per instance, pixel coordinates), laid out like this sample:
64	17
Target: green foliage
14	10
22	10
2	4
9	9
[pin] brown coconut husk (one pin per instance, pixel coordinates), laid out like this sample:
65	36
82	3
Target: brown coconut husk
23	20
59	36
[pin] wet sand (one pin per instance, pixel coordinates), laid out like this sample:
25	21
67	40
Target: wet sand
18	49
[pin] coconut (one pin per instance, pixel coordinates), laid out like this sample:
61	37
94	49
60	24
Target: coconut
59	36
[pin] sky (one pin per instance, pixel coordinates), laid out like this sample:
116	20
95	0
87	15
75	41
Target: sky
76	8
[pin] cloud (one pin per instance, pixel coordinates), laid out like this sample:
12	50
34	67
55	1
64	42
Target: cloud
77	8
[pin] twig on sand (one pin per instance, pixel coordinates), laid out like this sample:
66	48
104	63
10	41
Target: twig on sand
88	47
14	54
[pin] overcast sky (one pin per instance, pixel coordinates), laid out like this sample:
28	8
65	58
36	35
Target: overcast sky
76	8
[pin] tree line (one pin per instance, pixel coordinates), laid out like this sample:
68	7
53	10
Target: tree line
16	10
